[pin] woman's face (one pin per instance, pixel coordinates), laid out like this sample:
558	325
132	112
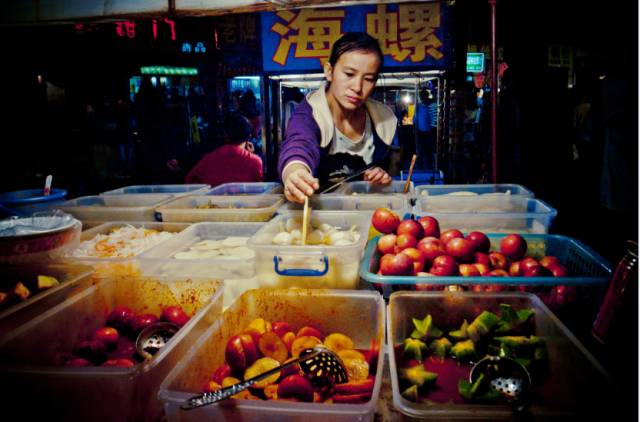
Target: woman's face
353	78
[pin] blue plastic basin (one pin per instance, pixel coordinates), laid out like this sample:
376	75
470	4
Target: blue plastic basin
30	197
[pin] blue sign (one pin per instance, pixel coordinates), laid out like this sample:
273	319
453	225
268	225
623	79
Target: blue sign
410	34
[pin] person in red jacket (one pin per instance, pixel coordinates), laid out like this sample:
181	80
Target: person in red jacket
233	162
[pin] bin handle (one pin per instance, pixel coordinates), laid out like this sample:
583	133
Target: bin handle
301	272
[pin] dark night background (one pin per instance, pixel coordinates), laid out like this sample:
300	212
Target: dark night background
40	138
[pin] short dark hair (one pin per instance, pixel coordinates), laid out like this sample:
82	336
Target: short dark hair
238	128
352	41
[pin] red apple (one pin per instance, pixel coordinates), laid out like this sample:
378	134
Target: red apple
515	270
310	331
91	350
480	241
547	261
140	322
444	265
460	249
400	264
483	269
296	386
281	328
425	287
498	273
385	221
221	373
411	227
415	254
418	267
513	246
107	335
387	243
241	352
498	261
447	235
174	315
430	226
558	270
119	318
481	258
536	271
468	270
405	241
527	262
431	247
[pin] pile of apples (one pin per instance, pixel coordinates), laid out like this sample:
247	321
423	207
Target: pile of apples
418	248
114	344
263	346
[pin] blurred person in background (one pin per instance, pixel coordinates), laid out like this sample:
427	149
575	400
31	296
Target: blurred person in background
232	162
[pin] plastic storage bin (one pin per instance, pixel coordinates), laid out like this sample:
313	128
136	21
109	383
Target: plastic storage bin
311	266
576	385
365	203
590	272
106	228
238	272
474	190
256	208
27	355
72	279
361	188
246	189
129	207
421	177
175	190
494	214
359	315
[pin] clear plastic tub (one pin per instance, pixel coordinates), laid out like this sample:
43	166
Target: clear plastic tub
362	188
359	315
27	355
365	203
246	189
256	208
175	190
497	214
106	228
311	266
472	198
473	190
238	273
72	279
576	385
129	207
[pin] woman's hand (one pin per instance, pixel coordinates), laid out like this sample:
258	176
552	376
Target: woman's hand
377	176
299	183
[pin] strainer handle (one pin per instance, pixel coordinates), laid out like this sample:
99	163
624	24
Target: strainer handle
226	392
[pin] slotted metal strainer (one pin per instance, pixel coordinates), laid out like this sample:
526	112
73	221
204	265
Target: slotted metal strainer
319	364
506	376
154	337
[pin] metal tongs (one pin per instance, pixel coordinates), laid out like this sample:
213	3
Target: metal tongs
320	364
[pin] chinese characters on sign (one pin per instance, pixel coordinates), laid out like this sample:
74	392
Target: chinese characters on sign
409	34
128	28
316	33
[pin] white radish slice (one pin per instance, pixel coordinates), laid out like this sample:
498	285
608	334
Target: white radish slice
234	241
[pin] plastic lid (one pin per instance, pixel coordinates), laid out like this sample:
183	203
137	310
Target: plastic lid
38	223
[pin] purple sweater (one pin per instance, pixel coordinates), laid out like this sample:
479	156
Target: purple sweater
301	140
